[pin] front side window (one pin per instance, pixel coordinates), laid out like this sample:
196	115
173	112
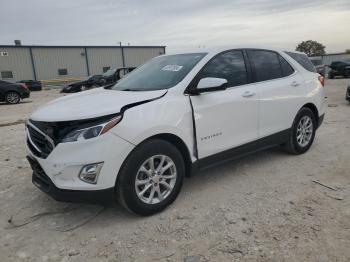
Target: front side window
162	72
266	64
228	65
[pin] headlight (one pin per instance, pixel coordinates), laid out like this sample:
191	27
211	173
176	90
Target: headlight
91	132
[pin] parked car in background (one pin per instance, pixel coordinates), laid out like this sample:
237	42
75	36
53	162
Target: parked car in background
320	67
174	115
113	75
12	93
88	83
33	85
339	68
347	96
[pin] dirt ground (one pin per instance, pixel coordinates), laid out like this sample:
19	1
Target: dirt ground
264	207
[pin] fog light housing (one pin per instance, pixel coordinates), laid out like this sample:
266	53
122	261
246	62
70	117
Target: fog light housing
89	173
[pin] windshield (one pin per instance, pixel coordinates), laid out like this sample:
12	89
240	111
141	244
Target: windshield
110	72
162	72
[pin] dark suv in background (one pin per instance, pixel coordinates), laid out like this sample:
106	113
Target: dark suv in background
115	74
339	68
90	82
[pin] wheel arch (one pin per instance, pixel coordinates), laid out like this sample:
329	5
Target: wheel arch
179	144
314	109
12	91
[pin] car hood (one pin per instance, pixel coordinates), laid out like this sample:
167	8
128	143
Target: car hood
91	104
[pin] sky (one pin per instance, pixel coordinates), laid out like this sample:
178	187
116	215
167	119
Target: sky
179	25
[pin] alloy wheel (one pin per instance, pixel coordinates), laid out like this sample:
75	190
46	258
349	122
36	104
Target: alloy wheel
12	98
304	131
155	179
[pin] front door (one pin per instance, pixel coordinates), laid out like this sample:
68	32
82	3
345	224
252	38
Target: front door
229	118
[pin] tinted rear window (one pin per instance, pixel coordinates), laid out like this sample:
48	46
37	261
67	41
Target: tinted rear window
266	64
303	60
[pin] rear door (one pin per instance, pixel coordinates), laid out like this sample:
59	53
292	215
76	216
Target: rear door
280	88
228	118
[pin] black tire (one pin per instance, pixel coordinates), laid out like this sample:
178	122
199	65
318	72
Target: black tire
125	186
293	146
12	97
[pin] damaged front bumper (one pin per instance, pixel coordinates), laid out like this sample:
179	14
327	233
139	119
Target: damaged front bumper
44	183
58	174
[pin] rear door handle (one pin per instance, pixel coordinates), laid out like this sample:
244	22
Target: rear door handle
248	94
295	83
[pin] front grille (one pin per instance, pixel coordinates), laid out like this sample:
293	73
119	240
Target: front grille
40	179
38	143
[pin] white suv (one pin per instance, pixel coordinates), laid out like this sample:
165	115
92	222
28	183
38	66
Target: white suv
174	115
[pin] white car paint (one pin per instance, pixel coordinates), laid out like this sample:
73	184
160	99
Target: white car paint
229	118
235	114
90	104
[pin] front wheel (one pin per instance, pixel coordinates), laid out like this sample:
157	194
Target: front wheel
151	177
302	133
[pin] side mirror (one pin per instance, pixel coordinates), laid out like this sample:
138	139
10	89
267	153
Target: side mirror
210	84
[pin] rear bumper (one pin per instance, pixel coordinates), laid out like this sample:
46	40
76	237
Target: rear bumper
44	183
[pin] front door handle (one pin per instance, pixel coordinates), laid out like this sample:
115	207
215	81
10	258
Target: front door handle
248	94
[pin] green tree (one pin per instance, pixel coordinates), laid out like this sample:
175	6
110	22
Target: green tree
347	51
311	48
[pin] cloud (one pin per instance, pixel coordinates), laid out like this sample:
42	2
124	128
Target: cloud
178	23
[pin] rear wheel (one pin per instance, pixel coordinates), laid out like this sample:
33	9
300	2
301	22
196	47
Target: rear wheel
12	98
151	177
303	132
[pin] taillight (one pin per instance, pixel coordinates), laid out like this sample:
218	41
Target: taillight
321	79
24	86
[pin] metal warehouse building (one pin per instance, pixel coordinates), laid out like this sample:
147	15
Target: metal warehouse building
22	62
329	58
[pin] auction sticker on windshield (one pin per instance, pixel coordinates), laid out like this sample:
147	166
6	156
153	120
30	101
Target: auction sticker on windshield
174	68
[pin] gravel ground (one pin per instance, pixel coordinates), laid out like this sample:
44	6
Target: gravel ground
264	207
